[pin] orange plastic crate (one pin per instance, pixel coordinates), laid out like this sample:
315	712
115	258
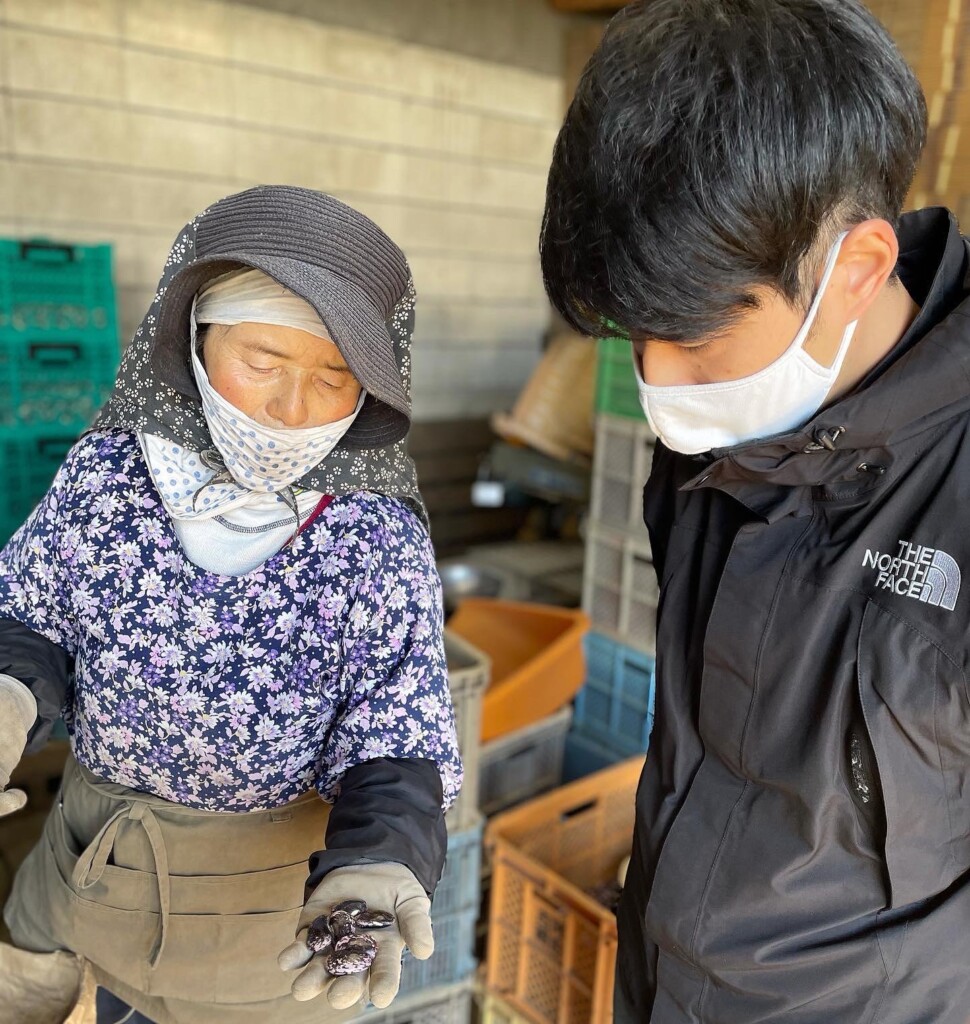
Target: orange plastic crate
551	947
536	652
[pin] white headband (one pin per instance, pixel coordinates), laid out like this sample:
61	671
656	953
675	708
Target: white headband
250	296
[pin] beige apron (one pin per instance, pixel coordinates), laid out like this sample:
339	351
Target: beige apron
181	912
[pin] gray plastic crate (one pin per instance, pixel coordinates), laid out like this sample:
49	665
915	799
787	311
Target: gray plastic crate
523	764
515	768
468	675
621	465
453	915
620	590
451	1004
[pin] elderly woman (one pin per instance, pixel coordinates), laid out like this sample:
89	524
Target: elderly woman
230	594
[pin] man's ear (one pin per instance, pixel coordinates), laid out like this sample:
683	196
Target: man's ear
866	261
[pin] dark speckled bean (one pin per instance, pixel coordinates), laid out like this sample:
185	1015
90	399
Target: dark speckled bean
374	919
318	937
352	907
341	924
353	955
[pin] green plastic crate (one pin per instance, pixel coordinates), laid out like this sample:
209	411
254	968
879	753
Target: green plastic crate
59	350
53	291
57	384
616	384
29	459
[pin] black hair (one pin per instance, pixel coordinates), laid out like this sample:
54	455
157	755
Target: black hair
711	146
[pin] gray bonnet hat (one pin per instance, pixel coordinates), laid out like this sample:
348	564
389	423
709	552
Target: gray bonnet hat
345	267
337	259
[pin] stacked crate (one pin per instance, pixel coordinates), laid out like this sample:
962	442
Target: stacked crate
619	586
614	710
497	774
456	902
448	1004
537	667
537	664
439	990
59	354
469	671
551	945
454	914
524	763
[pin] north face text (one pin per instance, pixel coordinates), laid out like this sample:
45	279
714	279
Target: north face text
926	574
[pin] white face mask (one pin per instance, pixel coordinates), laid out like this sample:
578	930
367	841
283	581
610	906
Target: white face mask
261	458
697	418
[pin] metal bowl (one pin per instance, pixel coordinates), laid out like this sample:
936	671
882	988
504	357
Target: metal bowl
465	579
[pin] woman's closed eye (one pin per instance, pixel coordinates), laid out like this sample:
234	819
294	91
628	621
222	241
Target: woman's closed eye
321	383
261	369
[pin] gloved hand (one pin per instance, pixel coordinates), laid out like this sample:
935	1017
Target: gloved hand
389	887
18	711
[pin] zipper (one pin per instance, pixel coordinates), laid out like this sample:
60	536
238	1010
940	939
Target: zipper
865	784
861	774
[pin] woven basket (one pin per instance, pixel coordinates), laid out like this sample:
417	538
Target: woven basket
554	412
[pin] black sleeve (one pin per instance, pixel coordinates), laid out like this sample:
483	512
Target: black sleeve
44	667
389	809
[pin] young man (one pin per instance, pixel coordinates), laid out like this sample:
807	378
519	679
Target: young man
726	191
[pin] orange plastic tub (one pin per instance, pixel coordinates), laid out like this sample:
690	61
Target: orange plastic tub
551	946
537	659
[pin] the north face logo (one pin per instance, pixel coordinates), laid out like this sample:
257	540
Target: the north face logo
927	574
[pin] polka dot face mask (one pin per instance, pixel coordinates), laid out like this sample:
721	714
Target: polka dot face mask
263	458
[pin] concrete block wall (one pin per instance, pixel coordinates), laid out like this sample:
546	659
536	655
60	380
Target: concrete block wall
120	119
934	36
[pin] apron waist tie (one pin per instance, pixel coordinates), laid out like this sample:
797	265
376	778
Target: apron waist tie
92	862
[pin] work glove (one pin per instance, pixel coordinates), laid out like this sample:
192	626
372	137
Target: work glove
388	887
18	711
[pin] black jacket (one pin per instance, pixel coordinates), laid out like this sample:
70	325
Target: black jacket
802	843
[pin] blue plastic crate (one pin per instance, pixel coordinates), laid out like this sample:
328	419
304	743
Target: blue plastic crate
584	756
458	888
453	915
615	706
453	959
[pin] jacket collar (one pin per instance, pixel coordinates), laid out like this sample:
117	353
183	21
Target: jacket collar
924	380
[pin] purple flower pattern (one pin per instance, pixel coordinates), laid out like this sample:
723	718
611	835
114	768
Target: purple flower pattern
233	693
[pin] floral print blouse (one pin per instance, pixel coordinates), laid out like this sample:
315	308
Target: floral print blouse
232	693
